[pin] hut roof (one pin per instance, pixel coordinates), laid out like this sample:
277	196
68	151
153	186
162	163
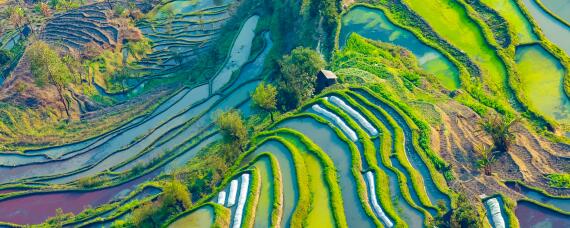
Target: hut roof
328	74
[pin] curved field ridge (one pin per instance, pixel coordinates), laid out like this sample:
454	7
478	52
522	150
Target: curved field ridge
557	8
181	31
182	142
372	23
73	29
354	114
337	120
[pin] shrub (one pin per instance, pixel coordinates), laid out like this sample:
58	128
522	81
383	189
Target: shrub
499	128
265	98
232	127
176	195
559	180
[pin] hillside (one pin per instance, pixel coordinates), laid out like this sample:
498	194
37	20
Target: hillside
259	113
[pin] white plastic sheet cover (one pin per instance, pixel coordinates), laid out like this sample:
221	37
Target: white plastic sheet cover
375	204
355	114
495	210
349	132
241	201
233	192
222	198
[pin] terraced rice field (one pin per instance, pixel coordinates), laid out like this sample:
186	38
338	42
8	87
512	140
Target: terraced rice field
180	31
555	31
517	20
352	156
314	148
450	20
373	24
542	77
176	131
73	29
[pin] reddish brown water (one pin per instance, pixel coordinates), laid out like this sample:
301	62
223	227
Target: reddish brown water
34	209
532	215
4	191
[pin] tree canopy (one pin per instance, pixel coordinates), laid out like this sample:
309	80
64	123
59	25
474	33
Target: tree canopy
297	80
265	98
48	68
232	127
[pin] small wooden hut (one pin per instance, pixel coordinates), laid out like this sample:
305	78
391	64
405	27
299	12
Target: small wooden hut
325	78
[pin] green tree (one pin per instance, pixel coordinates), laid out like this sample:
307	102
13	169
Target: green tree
265	98
176	194
465	215
232	127
144	215
486	159
47	67
296	83
500	130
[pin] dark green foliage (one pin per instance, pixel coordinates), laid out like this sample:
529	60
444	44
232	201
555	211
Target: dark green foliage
232	127
174	199
296	83
496	22
206	171
176	194
4	57
559	180
464	216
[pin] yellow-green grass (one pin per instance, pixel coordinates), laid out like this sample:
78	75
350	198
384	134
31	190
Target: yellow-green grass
302	205
450	20
516	19
356	161
421	138
321	212
329	172
264	209
398	144
248	216
381	177
386	142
